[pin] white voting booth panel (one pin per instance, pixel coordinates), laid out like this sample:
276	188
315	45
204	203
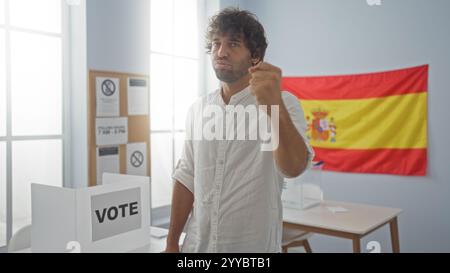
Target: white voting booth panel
110	178
114	217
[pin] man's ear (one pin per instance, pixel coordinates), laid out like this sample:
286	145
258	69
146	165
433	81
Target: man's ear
255	61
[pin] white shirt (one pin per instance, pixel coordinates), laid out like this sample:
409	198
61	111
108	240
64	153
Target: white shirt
237	187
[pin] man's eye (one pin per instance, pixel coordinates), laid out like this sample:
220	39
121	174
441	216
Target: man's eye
234	44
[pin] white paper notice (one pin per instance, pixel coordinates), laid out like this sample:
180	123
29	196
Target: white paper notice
111	131
137	97
107	161
137	159
107	92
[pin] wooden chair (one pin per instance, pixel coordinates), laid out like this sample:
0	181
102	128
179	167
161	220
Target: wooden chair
294	238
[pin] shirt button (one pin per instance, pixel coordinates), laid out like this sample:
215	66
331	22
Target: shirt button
221	162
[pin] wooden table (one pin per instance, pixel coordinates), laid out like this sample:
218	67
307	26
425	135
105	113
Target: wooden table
357	222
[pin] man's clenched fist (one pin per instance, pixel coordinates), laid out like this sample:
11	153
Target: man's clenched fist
265	83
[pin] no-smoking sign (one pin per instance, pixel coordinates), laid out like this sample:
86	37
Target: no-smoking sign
137	158
108	88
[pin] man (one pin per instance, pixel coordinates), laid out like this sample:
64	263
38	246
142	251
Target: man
232	189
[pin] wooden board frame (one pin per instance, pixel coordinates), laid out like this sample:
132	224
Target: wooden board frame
138	126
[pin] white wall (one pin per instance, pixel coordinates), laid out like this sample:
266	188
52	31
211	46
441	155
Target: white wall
118	35
325	37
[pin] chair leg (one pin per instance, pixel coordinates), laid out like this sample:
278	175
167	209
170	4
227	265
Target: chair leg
284	249
307	246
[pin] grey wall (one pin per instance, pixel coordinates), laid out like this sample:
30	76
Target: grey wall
118	35
320	37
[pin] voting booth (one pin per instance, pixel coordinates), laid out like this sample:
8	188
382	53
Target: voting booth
114	217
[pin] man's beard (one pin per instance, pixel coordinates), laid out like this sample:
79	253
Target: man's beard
231	76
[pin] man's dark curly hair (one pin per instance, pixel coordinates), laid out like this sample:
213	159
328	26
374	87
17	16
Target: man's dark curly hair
240	23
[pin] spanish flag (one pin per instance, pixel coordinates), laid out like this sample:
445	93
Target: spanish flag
367	123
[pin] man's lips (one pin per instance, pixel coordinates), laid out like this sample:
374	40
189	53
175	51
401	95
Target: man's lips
222	65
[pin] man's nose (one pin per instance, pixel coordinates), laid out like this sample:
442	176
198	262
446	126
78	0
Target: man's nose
222	51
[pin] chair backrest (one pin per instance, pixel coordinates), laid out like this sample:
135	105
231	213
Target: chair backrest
21	239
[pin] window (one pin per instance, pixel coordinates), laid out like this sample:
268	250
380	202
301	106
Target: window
175	75
31	105
2	12
2	193
44	167
2	83
36	101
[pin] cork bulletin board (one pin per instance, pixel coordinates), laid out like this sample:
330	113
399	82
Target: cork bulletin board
118	86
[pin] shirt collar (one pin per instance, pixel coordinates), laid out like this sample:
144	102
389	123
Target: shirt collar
238	97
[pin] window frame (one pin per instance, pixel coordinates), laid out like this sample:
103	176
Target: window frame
65	105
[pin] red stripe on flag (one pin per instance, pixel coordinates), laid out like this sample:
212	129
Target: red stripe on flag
383	161
359	86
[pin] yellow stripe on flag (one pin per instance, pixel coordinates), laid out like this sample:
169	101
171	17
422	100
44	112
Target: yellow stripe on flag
389	122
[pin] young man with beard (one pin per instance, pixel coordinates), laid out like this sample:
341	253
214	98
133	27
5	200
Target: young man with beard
232	189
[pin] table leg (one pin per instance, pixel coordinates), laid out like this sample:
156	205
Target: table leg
356	245
307	246
394	235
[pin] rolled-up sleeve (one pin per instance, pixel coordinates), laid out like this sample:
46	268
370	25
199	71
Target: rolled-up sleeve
184	170
297	116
